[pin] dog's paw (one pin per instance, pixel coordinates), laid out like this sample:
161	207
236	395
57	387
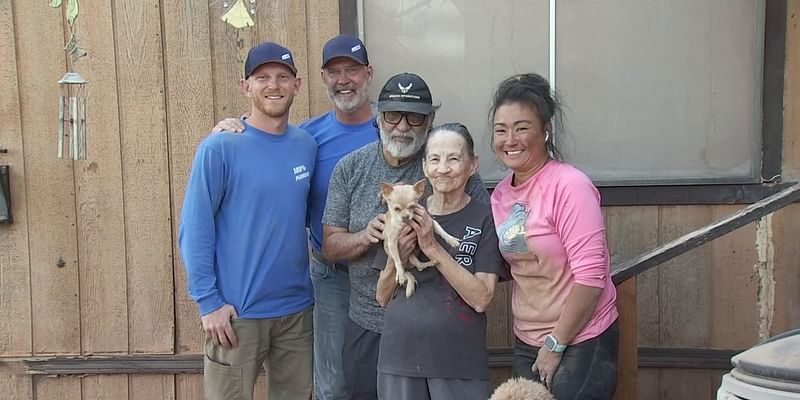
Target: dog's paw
400	277
453	242
411	285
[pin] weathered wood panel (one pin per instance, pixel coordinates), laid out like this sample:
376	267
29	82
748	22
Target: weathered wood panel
499	327
732	285
284	22
14	385
323	24
150	387
190	111
104	387
630	231
685	303
15	284
791	94
229	49
627	372
188	387
57	388
101	232
49	182
145	173
785	228
687	384
786	222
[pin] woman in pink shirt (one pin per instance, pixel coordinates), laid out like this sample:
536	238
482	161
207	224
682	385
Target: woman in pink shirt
551	233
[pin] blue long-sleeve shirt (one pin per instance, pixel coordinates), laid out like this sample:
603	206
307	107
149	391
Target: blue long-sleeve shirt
242	233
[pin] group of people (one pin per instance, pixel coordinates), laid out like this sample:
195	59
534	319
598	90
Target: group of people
256	187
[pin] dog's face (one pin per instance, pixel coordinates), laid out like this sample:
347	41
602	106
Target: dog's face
401	199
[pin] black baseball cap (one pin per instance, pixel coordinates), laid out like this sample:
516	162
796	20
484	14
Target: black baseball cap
268	52
345	46
406	92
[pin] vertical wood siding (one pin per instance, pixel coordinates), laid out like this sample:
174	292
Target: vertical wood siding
91	264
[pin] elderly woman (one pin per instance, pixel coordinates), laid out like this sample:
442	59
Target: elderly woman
434	342
552	235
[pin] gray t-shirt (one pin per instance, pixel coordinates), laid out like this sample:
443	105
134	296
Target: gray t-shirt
454	344
353	200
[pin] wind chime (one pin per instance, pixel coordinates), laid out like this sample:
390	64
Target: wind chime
72	99
238	15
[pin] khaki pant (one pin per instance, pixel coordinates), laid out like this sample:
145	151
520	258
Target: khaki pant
283	346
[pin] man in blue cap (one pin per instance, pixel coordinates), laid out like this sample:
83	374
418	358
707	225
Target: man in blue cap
243	240
347	74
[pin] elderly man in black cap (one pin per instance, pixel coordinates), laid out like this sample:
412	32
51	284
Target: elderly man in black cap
354	215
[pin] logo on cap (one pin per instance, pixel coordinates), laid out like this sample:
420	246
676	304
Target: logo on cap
286	56
355	48
404	89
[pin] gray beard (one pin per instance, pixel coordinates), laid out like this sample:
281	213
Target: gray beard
351	105
398	150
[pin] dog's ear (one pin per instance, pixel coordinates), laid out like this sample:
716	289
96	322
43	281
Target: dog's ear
386	190
419	187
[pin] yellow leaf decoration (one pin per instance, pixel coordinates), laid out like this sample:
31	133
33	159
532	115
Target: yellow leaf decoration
72	11
237	15
55	3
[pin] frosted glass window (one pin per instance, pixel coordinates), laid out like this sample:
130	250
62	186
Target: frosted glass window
656	91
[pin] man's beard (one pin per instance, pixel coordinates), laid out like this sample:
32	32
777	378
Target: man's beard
352	104
403	150
274	110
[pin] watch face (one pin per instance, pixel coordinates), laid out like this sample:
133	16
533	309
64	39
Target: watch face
549	343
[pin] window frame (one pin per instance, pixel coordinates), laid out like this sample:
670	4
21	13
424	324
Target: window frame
702	193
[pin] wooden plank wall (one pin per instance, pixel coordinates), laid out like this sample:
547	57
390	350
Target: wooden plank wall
91	266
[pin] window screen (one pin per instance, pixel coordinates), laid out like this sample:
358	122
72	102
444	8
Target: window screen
654	91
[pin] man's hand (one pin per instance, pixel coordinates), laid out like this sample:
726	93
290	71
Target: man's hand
373	233
217	326
229	125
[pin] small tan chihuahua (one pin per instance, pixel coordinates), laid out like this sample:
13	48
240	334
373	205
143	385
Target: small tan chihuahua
401	200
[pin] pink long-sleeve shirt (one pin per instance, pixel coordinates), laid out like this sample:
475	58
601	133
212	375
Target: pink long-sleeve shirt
552	235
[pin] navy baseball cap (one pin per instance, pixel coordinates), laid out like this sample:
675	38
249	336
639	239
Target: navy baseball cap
268	52
345	46
406	92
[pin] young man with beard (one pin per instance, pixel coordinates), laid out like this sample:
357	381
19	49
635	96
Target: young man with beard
350	125
244	247
354	215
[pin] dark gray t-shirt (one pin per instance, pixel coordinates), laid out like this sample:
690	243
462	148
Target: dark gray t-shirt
434	333
353	200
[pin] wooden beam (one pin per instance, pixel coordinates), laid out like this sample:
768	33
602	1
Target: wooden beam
705	234
499	357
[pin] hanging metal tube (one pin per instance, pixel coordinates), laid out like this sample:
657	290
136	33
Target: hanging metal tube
61	101
82	128
73	120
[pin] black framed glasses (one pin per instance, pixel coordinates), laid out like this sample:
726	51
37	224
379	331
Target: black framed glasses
412	118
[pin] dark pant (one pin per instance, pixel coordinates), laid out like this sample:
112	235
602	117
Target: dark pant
587	371
360	361
398	387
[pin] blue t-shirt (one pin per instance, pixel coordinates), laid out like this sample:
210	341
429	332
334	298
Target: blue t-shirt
242	233
335	140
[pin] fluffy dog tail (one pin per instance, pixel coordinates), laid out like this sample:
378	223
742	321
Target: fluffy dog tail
521	389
